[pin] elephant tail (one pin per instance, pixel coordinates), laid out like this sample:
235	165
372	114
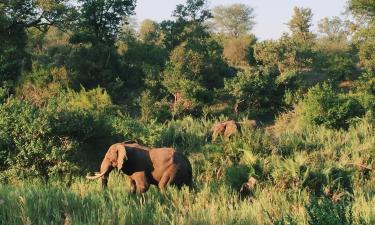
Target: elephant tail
96	176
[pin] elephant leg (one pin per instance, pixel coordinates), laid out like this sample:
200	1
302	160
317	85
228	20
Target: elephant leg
140	182
167	178
105	180
163	182
132	186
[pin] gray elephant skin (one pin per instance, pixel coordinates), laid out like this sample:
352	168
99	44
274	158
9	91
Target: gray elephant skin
145	166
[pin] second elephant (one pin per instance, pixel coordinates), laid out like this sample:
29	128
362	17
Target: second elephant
230	127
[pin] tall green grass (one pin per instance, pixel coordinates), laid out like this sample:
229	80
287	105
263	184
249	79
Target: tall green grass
305	175
85	203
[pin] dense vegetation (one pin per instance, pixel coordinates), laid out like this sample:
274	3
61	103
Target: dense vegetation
77	76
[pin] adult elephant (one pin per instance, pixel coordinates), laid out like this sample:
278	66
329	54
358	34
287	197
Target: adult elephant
145	166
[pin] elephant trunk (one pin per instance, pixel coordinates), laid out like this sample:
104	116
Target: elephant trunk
96	176
105	168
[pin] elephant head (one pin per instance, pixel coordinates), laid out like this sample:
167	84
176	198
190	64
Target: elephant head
114	158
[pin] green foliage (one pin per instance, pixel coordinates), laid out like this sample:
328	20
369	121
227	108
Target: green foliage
38	204
253	90
366	84
334	29
364	40
300	24
187	135
236	175
238	52
48	141
4	93
191	74
287	56
97	66
234	20
188	26
77	77
322	106
340	66
13	54
30	146
362	7
96	100
100	20
16	17
149	31
323	211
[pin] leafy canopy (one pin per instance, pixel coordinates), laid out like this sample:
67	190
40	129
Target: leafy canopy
233	20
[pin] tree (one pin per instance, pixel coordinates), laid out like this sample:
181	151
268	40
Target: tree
16	17
285	55
337	58
31	13
364	38
334	29
101	20
300	24
362	7
183	77
149	31
239	51
13	57
193	11
188	24
195	65
253	90
234	20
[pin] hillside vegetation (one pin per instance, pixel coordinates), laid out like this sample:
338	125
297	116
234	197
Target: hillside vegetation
76	77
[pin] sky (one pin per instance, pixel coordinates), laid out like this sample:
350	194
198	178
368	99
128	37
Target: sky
271	16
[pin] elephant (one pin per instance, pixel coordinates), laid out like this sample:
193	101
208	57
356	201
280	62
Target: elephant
145	166
230	127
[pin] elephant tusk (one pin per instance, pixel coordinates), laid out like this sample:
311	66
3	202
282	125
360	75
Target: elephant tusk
96	176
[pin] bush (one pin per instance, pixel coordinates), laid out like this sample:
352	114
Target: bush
253	90
236	175
4	93
29	145
150	109
188	134
340	66
322	106
42	84
69	134
324	211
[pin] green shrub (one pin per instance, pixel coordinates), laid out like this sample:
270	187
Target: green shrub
288	173
188	134
325	212
253	90
4	93
42	84
236	175
290	142
255	141
29	145
339	179
340	66
152	109
322	106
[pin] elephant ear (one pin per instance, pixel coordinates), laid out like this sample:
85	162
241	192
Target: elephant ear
121	156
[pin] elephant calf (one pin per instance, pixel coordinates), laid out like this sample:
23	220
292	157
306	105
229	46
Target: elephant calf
230	127
145	166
